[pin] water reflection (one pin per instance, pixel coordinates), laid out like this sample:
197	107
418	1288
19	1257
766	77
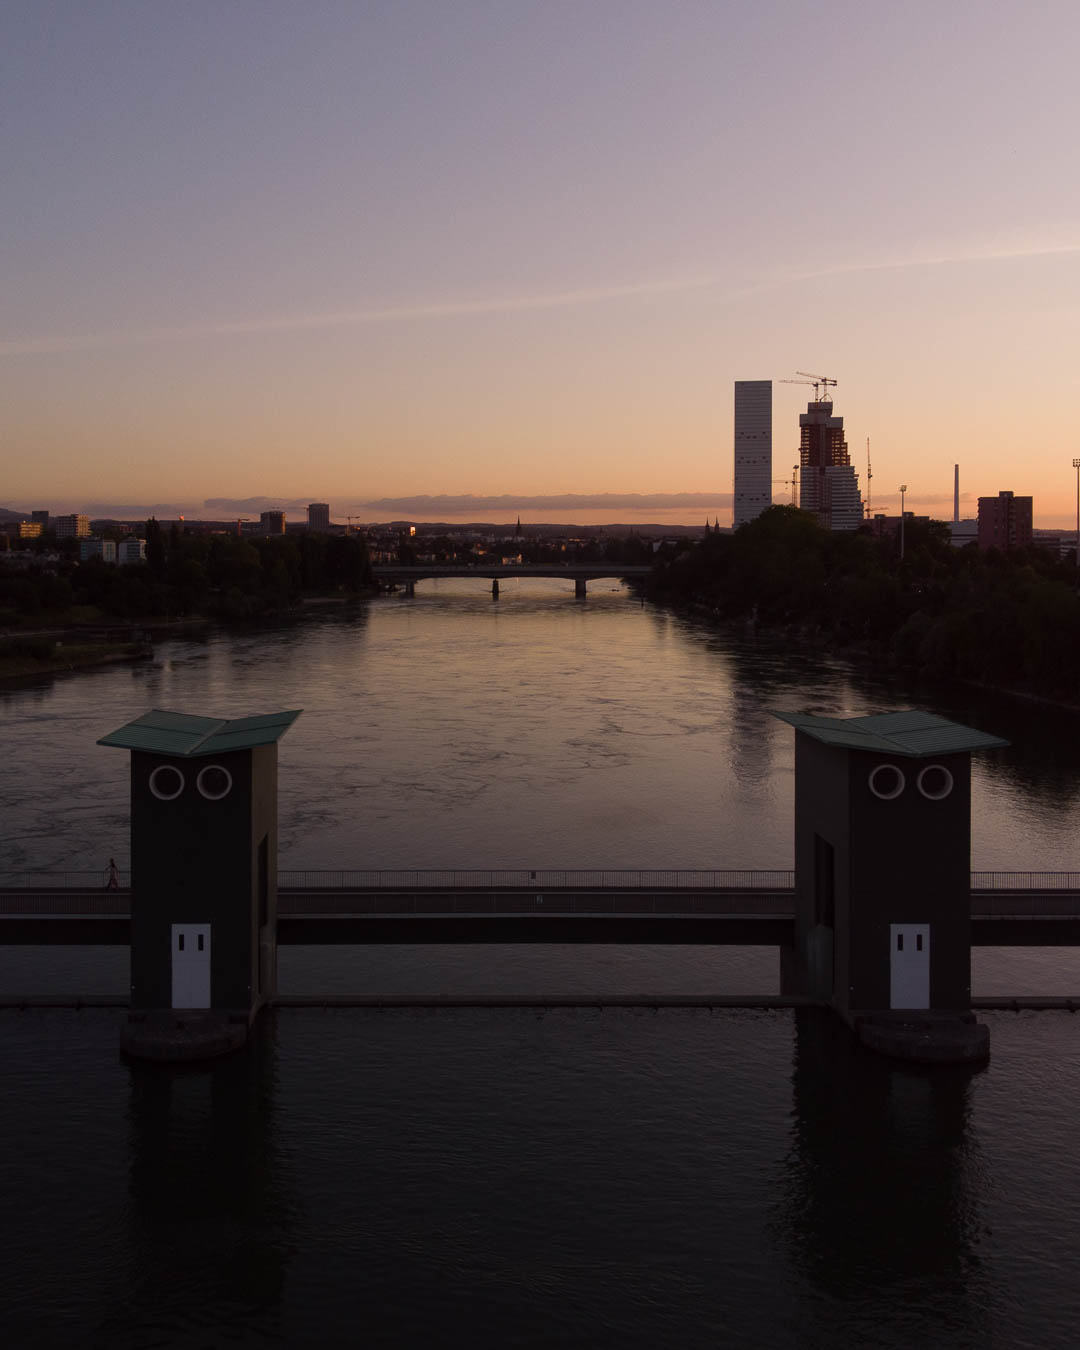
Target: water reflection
880	1201
442	730
209	1198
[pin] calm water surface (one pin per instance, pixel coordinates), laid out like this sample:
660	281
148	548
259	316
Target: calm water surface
577	1178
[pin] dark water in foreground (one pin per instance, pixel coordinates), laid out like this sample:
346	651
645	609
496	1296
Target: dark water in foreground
584	1178
677	1179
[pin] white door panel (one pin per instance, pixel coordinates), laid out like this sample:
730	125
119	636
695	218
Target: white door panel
909	965
191	965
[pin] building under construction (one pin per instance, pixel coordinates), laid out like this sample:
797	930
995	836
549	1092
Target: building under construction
828	485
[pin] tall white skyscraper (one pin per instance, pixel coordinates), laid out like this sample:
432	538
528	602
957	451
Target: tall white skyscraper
753	449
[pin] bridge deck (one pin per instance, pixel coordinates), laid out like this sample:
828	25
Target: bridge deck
572	571
754	915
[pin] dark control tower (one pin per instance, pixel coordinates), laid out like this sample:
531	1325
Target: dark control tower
203	878
883	879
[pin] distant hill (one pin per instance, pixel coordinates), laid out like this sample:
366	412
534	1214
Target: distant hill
6	516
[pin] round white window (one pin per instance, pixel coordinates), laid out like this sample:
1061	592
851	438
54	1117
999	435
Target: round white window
166	782
214	782
935	782
886	782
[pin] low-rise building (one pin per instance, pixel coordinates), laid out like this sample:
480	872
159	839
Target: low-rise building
272	522
72	527
963	532
131	551
1005	522
105	549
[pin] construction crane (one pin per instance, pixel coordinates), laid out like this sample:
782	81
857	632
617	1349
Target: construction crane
790	482
816	380
869	475
349	526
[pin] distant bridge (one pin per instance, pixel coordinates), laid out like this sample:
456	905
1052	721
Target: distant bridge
1008	909
390	574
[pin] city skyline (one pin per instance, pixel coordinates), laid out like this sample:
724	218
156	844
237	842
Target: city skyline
363	253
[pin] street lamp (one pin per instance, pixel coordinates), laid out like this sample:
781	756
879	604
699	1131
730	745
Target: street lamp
903	489
794	475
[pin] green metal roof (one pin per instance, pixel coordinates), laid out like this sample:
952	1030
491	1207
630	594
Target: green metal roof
188	736
912	733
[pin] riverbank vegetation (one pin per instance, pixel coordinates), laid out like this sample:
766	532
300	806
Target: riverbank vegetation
216	576
1012	621
24	657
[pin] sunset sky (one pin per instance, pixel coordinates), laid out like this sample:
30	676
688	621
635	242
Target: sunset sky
366	251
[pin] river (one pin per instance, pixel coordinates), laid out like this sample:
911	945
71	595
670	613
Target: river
674	1178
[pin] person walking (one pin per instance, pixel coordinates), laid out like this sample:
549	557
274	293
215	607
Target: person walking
113	883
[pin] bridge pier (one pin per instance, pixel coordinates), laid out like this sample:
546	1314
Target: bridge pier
494	588
203	928
579	588
894	786
410	588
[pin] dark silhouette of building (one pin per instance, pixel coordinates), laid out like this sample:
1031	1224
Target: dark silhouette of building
882	877
1004	522
318	516
272	522
203	870
828	485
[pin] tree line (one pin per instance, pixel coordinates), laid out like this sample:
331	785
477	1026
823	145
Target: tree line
1010	620
186	573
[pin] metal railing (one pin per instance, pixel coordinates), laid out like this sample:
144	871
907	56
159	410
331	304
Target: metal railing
1025	881
538	879
435	902
97	880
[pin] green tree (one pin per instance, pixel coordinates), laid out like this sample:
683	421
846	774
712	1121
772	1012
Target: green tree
155	550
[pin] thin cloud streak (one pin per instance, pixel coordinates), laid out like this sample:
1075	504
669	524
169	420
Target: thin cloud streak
389	314
505	305
464	503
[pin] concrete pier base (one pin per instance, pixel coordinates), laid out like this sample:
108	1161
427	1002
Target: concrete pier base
579	588
410	588
925	1037
183	1036
495	588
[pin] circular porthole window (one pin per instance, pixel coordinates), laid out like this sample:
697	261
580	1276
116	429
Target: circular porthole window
166	782
935	782
886	782
214	782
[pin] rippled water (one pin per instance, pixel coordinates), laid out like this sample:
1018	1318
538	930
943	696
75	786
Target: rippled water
448	730
681	1179
577	1178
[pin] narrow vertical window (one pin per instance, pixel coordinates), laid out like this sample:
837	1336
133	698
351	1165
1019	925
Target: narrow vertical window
918	942
899	942
201	942
180	940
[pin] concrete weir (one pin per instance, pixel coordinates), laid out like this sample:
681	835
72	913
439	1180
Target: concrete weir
929	1038
183	1035
876	932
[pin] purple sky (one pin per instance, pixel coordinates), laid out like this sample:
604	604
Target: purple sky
353	251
